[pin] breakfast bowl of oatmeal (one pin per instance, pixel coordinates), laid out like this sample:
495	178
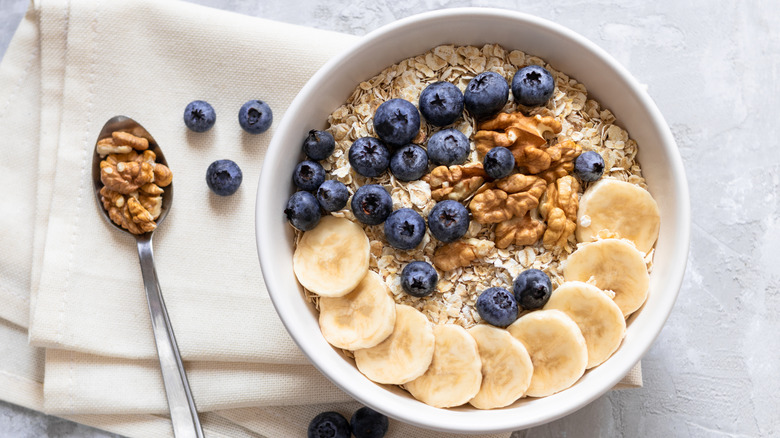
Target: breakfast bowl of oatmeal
473	220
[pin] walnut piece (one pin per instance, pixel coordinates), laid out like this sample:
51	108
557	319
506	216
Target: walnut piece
518	231
128	212
509	197
522	135
125	176
562	156
107	146
122	138
162	175
461	253
455	182
559	208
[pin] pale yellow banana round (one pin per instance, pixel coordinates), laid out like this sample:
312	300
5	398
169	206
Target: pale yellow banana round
623	209
612	264
405	355
331	259
361	319
506	367
454	376
557	349
598	317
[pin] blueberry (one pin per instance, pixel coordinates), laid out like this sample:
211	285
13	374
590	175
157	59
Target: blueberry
371	204
448	220
319	144
303	211
199	116
448	147
329	425
441	103
532	289
486	94
368	423
532	86
419	279
409	163
308	175
224	177
499	162
497	306
589	166
369	156
332	195
397	122
404	228
255	116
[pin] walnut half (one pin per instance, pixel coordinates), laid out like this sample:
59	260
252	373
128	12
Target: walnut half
559	209
455	182
509	197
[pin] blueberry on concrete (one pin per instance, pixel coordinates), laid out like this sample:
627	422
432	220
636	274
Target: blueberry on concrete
486	94
532	86
498	162
371	204
589	166
497	306
332	195
409	163
308	175
368	423
224	177
303	211
397	122
532	289
448	220
319	144
199	116
255	116
441	103
329	425
448	147
419	279
404	229
369	156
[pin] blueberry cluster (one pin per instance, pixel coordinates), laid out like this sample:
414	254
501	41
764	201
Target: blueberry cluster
499	307
365	423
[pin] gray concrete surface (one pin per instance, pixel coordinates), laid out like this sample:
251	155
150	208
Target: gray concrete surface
713	71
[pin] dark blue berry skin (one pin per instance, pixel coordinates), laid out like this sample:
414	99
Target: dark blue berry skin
368	423
498	162
404	229
369	156
448	220
308	175
532	289
332	195
371	204
199	116
319	145
486	94
224	177
441	103
397	122
329	425
255	117
589	166
409	163
532	86
497	306
448	147
419	279
303	211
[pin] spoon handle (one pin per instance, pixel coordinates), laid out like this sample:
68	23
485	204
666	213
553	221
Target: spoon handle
184	416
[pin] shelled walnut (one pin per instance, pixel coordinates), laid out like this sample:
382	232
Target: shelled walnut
559	209
504	199
523	230
460	253
456	182
522	135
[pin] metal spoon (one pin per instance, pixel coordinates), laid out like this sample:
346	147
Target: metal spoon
184	416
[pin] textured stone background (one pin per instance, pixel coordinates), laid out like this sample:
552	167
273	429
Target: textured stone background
713	71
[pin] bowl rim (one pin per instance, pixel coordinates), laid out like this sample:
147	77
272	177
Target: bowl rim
499	421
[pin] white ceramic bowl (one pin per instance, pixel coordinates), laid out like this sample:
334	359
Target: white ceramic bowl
607	82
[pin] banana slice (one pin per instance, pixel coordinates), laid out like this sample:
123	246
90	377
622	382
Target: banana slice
331	259
623	209
557	349
362	318
405	355
506	367
613	264
598	317
455	373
